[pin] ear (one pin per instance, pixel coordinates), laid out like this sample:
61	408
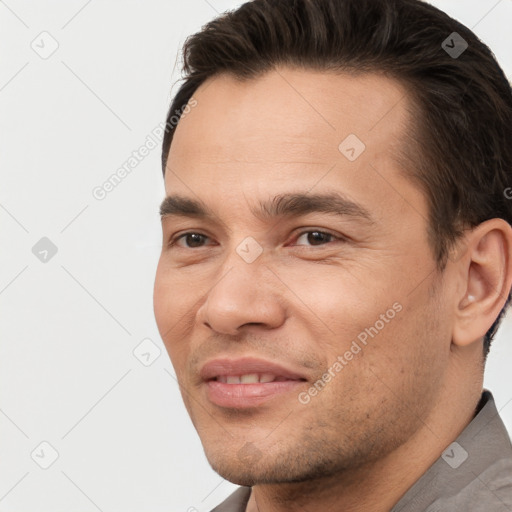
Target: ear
486	273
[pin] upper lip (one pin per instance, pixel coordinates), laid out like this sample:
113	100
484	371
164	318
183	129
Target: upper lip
245	366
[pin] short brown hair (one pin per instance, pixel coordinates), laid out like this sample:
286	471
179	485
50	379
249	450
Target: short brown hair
463	133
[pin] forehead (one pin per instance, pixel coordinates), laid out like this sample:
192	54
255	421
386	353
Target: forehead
292	128
289	112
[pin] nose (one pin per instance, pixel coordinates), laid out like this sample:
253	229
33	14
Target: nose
245	295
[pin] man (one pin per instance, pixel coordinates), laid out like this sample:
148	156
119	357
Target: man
336	258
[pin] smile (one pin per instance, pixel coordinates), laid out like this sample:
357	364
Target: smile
250	378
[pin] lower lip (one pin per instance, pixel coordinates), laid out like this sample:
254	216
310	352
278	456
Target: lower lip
241	396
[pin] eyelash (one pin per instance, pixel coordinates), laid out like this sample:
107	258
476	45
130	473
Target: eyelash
174	240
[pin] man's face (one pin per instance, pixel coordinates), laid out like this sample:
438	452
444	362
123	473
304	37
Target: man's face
300	288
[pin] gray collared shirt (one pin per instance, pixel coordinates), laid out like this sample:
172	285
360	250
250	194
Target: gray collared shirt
473	474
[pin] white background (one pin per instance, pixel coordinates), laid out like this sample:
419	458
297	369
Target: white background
69	326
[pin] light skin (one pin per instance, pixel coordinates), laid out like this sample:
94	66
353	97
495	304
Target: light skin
392	410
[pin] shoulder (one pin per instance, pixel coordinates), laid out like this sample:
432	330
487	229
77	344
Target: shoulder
490	490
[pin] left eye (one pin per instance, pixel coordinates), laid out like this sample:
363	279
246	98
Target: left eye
317	237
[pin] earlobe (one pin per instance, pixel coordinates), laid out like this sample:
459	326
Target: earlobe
486	271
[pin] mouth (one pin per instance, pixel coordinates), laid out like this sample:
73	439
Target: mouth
250	378
248	382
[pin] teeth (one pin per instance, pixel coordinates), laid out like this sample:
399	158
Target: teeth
249	378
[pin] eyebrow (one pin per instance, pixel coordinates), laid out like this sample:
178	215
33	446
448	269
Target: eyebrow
281	206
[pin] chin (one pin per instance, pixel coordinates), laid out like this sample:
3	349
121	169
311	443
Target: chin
248	466
262	469
236	473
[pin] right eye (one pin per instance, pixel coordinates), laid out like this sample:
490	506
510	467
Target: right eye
191	238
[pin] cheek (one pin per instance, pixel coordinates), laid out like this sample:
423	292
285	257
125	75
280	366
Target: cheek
161	297
174	299
172	293
340	300
168	306
364	322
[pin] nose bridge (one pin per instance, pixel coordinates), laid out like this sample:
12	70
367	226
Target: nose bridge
242	294
244	266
